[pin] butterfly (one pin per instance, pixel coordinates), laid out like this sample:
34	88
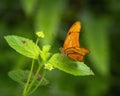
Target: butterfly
71	46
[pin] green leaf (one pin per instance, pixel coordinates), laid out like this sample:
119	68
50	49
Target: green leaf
23	46
21	77
45	54
46	48
70	66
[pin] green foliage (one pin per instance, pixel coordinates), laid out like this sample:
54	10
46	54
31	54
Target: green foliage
21	77
28	48
23	46
45	54
70	66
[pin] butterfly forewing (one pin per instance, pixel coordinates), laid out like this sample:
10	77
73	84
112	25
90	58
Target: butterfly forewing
72	39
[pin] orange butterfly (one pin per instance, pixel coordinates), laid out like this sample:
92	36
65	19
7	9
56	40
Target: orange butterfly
71	45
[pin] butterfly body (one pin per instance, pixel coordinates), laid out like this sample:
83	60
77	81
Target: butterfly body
71	45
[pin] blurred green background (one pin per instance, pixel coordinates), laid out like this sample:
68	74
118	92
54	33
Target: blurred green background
100	34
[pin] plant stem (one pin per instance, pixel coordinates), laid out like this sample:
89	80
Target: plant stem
38	83
37	41
30	74
35	77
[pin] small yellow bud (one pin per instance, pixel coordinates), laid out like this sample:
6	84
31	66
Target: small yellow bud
40	34
49	66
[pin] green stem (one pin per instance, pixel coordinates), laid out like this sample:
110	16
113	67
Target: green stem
44	72
35	77
30	74
37	41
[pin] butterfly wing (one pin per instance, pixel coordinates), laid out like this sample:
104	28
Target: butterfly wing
72	39
76	53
